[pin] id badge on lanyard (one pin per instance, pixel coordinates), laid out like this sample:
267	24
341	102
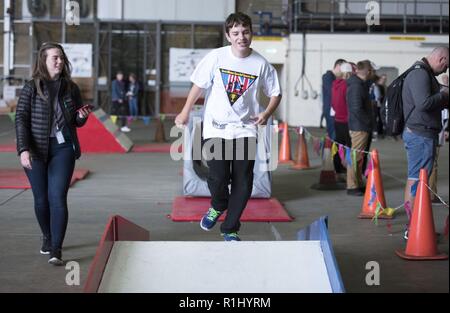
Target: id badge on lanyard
59	136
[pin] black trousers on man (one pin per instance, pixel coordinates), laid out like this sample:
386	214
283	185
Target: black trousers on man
231	164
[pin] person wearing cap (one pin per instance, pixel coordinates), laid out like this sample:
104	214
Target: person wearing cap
359	123
339	106
327	81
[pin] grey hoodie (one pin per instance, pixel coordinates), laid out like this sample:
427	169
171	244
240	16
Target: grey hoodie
423	101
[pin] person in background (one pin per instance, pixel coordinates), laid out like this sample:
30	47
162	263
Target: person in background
133	95
119	101
378	93
423	101
327	81
48	111
339	106
359	123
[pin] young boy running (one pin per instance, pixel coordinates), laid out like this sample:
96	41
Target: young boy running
233	76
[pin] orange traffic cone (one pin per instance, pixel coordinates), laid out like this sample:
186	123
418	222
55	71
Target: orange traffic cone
160	134
302	159
328	179
374	191
421	235
284	156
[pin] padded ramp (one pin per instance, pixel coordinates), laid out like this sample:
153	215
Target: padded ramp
187	209
291	266
17	179
126	261
195	171
101	135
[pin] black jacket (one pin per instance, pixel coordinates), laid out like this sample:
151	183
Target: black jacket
327	82
423	101
34	116
358	102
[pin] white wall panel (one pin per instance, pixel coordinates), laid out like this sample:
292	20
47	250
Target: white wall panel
172	10
323	49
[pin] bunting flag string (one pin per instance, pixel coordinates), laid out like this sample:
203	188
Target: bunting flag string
12	116
146	120
342	153
354	162
408	209
334	150
370	166
348	156
308	136
373	195
378	211
316	146
322	145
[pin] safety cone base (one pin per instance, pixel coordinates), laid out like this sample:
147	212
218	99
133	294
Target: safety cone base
370	215
301	167
403	255
286	162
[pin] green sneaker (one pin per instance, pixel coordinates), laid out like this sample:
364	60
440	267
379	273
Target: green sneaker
210	219
231	237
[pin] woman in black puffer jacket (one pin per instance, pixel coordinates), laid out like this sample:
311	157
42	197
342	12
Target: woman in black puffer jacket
48	112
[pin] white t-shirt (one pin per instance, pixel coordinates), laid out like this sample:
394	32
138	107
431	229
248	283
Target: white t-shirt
232	85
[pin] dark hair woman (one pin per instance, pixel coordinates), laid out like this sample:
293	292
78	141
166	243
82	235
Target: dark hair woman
48	111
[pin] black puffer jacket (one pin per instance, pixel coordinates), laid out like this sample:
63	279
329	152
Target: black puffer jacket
358	102
34	117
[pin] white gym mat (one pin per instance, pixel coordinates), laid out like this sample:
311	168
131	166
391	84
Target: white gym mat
216	267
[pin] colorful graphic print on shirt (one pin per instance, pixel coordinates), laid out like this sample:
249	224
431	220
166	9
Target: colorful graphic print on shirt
236	83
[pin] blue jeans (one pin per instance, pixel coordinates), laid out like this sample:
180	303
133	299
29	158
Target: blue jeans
420	153
50	183
133	106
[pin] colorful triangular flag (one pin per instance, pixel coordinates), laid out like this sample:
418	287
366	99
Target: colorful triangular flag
12	116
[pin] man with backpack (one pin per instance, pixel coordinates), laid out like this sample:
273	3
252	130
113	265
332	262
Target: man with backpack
423	100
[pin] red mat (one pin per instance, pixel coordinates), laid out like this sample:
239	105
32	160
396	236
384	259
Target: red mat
189	209
8	148
154	147
16	178
95	137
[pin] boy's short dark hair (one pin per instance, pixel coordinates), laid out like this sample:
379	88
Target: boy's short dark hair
238	18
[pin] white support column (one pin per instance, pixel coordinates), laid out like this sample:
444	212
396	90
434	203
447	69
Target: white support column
8	41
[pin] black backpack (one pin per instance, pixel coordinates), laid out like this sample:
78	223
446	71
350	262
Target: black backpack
392	107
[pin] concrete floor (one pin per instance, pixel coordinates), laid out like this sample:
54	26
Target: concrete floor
141	187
